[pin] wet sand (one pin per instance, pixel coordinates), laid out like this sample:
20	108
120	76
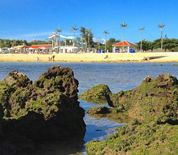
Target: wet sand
94	57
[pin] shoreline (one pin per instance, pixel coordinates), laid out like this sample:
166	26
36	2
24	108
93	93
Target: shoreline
160	57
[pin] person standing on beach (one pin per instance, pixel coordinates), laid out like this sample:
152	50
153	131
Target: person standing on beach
53	57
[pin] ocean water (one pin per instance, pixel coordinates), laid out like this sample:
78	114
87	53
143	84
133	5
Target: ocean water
118	76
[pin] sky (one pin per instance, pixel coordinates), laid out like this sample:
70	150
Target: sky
37	19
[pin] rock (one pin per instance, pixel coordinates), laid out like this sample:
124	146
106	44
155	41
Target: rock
98	110
97	94
153	107
16	80
1	116
153	100
46	110
113	114
138	139
60	78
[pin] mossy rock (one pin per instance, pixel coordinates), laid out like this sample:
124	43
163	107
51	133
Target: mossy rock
46	110
16	79
153	100
113	114
60	78
97	94
138	139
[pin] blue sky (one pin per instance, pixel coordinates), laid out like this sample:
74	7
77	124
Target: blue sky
36	19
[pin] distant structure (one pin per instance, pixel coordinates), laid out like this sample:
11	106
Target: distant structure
55	40
56	44
33	41
124	47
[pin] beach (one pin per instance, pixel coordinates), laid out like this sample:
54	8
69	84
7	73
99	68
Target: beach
93	57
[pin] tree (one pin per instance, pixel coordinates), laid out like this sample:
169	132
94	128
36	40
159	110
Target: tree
83	40
73	28
83	32
58	31
123	26
141	29
105	32
146	45
88	31
110	42
161	26
89	38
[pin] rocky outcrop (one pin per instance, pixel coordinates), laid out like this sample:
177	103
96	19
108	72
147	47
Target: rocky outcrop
155	99
97	94
46	110
153	106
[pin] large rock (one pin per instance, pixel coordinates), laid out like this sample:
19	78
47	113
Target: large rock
97	94
154	105
155	99
47	109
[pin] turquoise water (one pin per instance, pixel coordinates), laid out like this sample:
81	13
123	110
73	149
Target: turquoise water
118	76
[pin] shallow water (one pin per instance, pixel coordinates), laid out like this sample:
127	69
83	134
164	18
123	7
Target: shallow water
118	76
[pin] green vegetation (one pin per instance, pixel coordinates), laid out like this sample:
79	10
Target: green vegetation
113	114
96	94
170	45
138	139
10	43
152	110
46	110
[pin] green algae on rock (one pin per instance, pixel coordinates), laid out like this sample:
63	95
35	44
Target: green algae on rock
97	94
112	114
46	110
138	139
155	99
154	107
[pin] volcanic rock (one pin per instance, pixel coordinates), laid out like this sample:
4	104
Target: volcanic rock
155	99
97	94
46	110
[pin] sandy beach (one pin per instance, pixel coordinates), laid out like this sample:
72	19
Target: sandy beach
94	57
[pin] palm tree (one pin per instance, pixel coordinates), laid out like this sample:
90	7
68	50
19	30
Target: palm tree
123	25
73	28
105	32
58	32
88	31
83	40
141	29
161	26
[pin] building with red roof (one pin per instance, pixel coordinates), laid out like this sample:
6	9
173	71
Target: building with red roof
41	46
124	46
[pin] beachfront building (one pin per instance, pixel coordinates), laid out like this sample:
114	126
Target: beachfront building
20	49
124	47
56	45
45	48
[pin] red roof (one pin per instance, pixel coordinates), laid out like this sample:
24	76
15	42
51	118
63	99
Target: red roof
124	43
39	46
